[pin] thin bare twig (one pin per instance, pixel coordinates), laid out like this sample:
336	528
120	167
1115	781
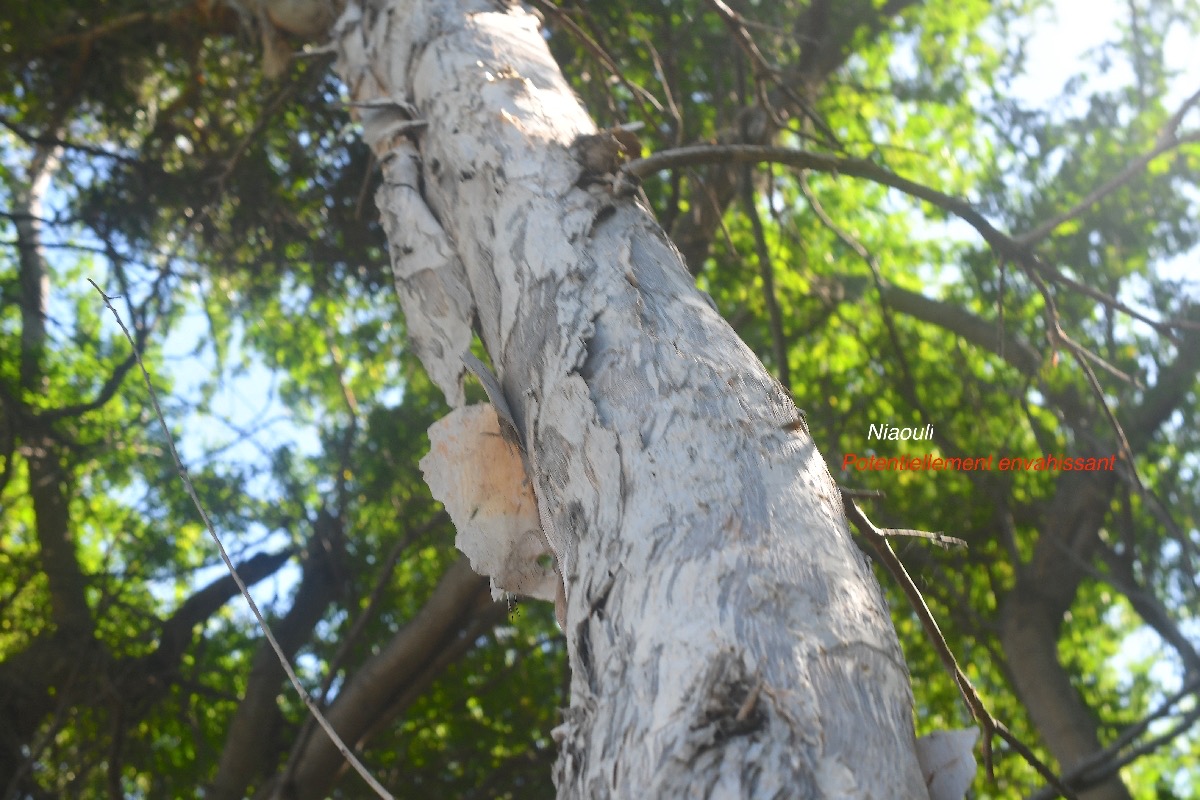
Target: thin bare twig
1005	246
737	27
350	639
375	785
935	537
1105	763
640	93
664	81
907	382
763	69
990	725
1058	336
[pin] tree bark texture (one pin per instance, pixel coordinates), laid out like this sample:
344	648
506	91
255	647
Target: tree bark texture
726	637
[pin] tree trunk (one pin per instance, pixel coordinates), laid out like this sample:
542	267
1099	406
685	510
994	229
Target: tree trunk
725	635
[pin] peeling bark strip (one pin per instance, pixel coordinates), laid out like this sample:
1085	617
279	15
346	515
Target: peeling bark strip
724	632
480	479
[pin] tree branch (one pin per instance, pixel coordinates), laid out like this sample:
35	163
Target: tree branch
1168	139
1105	763
52	141
359	703
991	726
1005	246
829	45
247	741
350	639
177	629
957	320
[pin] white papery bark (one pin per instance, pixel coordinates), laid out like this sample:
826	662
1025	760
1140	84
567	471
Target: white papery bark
726	637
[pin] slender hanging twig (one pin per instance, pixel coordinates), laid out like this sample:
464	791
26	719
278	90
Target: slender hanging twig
990	725
262	623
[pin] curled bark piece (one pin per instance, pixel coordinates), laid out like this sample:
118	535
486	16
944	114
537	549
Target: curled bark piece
947	762
480	478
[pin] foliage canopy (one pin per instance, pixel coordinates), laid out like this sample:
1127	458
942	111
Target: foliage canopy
141	146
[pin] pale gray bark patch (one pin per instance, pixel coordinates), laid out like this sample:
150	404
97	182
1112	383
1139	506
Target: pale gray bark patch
586	467
430	279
